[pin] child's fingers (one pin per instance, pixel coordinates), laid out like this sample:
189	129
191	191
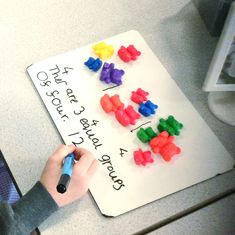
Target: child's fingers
62	151
93	168
79	152
84	163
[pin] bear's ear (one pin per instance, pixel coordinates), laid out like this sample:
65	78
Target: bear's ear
164	134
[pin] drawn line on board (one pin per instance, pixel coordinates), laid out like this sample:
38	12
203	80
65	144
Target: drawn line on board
110	87
140	126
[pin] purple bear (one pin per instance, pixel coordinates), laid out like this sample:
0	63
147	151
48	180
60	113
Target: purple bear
110	74
116	76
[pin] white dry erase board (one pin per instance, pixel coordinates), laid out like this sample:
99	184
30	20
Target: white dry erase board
71	94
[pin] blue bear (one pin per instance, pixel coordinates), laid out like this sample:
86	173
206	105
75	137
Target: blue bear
93	64
147	108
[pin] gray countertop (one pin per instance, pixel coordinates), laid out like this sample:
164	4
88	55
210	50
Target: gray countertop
202	221
35	30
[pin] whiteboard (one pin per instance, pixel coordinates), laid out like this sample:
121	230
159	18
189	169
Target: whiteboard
71	94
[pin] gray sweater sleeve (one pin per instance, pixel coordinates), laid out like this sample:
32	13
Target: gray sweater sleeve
28	213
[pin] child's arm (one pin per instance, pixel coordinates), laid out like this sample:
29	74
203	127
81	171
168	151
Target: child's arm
43	199
25	215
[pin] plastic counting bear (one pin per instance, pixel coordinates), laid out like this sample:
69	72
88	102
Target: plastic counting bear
111	75
93	64
102	50
111	104
147	108
169	150
139	96
145	135
127	116
164	145
143	157
129	53
171	125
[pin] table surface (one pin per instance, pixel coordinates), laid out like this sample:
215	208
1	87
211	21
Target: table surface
33	31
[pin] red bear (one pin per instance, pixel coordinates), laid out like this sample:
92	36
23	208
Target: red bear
164	145
111	104
129	53
139	96
142	158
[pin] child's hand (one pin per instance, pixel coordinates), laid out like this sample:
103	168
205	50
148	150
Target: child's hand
83	171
